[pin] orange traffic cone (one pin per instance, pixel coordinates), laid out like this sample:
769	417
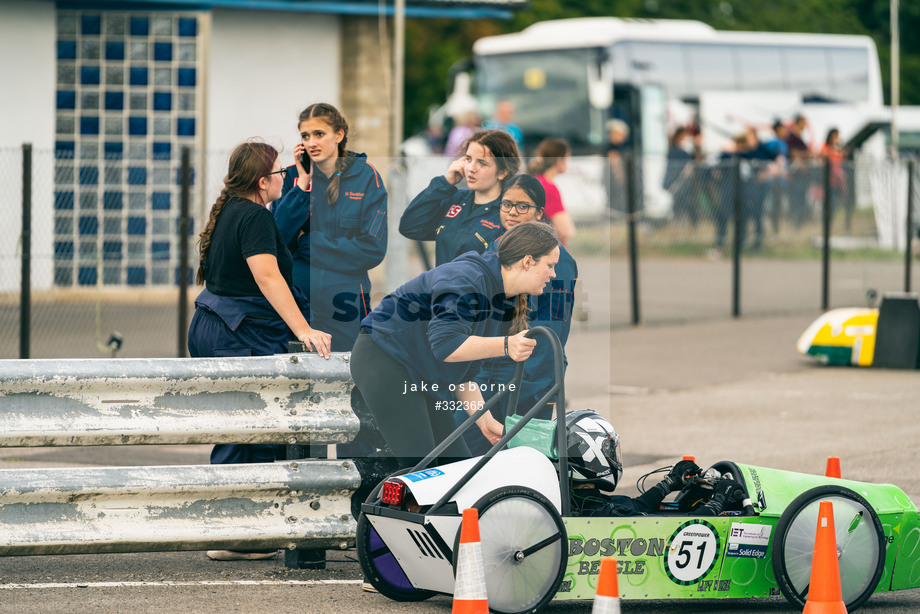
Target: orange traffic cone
607	599
824	593
833	467
470	584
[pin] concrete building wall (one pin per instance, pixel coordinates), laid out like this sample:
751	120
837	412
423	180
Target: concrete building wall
263	69
366	86
27	89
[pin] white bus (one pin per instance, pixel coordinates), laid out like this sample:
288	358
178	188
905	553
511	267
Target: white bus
566	78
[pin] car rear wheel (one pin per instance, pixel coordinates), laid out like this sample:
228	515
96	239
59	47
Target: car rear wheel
379	565
524	549
860	545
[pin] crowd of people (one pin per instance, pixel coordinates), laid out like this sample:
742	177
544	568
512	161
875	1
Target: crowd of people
781	169
285	257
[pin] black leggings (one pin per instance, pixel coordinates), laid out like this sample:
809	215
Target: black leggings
406	421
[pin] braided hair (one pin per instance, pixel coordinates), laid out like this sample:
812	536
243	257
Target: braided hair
249	162
336	121
534	239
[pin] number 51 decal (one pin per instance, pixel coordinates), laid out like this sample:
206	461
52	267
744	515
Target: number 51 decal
691	552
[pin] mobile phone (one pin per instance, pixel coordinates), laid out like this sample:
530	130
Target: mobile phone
306	162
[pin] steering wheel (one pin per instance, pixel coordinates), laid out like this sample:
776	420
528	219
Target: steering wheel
700	488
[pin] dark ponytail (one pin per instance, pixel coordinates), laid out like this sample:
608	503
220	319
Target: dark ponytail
336	121
249	162
534	239
548	153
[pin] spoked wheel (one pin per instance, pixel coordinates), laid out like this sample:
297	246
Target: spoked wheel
523	549
860	545
379	565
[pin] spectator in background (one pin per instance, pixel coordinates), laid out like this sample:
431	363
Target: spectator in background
552	159
465	124
462	220
615	151
777	185
833	152
678	176
801	171
503	119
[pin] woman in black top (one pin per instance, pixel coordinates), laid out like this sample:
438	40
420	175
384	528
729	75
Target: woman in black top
248	306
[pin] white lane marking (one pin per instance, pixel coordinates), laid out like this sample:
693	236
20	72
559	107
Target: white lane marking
46	585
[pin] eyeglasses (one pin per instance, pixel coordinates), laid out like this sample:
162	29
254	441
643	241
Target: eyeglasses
521	208
282	172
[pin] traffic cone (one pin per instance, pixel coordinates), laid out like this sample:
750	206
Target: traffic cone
824	593
833	467
607	598
470	584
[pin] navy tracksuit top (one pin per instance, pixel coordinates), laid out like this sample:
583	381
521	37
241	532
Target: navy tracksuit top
448	216
426	319
335	246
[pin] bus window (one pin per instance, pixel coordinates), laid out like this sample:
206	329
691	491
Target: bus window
549	90
712	67
850	74
807	71
760	68
658	64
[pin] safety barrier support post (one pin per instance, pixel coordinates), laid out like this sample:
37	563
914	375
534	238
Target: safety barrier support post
186	180
908	252
826	238
25	282
631	236
736	241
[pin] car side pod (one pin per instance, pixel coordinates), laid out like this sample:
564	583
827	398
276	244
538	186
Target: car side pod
607	599
824	593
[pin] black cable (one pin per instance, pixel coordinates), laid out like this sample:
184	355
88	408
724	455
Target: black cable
640	483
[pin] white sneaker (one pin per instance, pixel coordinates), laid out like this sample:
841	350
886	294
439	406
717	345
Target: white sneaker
241	555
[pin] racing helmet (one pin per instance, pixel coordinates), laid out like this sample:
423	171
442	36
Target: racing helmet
593	449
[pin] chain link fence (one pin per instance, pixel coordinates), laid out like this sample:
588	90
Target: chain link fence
649	249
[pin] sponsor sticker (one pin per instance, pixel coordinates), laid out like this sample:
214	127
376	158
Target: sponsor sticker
748	540
454	211
418	476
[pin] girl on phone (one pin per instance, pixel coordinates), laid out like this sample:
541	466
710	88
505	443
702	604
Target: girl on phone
333	216
463	220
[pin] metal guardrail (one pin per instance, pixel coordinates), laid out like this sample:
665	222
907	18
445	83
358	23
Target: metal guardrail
292	398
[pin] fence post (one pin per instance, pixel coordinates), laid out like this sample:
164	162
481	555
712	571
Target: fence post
25	281
826	238
908	253
736	241
631	236
186	181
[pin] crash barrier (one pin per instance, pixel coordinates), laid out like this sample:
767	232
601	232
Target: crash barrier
897	335
297	399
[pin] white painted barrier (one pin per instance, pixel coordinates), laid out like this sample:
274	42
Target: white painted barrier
292	398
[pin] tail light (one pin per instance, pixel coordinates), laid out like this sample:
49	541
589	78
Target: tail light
394	492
